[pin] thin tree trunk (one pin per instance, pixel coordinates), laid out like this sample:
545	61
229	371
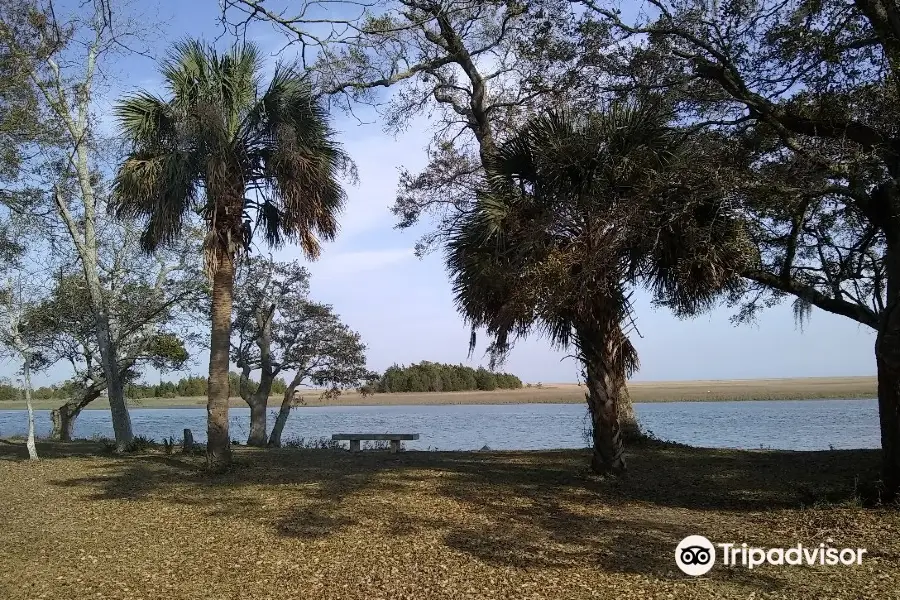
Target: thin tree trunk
32	447
259	399
218	447
86	244
63	418
75	112
121	420
106	340
280	421
283	413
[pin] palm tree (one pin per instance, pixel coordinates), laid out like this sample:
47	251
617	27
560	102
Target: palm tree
575	212
241	156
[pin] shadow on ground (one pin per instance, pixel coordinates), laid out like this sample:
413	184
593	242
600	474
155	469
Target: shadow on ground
513	509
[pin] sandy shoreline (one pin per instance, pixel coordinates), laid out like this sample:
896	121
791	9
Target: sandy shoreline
800	388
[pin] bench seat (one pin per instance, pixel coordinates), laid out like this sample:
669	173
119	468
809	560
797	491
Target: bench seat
356	438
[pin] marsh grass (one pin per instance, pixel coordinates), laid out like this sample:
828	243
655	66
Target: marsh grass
801	388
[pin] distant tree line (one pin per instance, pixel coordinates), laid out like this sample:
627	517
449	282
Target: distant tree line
418	377
63	390
190	386
193	385
438	377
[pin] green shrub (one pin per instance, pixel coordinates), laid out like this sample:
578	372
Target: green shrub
141	443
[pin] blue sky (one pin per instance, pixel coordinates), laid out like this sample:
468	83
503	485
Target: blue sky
403	306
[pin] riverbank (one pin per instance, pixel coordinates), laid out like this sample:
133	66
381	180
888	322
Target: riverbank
324	524
799	388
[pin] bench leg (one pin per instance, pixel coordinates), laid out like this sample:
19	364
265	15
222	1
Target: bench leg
354	445
395	446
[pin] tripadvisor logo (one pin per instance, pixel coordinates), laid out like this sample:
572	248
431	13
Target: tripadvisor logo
695	555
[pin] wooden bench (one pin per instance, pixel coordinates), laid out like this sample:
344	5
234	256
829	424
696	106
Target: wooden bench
356	438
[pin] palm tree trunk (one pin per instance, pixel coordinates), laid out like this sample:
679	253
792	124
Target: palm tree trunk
604	377
218	447
602	399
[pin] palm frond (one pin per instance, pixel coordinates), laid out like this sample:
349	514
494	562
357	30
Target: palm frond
244	157
187	70
290	141
556	236
146	120
158	188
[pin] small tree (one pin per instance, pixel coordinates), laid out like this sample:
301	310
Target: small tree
154	304
16	304
277	329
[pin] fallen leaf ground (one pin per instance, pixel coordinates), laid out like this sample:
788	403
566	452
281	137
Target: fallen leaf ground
327	524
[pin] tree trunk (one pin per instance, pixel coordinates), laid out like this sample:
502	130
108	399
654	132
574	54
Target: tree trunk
218	446
887	354
602	399
63	418
63	422
258	406
26	372
257	401
605	375
85	239
283	413
121	420
631	430
887	359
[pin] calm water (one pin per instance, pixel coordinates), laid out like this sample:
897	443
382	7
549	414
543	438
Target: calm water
788	425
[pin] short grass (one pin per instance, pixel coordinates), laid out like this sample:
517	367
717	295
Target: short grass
801	388
327	524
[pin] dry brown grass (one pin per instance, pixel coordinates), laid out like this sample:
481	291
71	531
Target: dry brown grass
322	525
800	388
